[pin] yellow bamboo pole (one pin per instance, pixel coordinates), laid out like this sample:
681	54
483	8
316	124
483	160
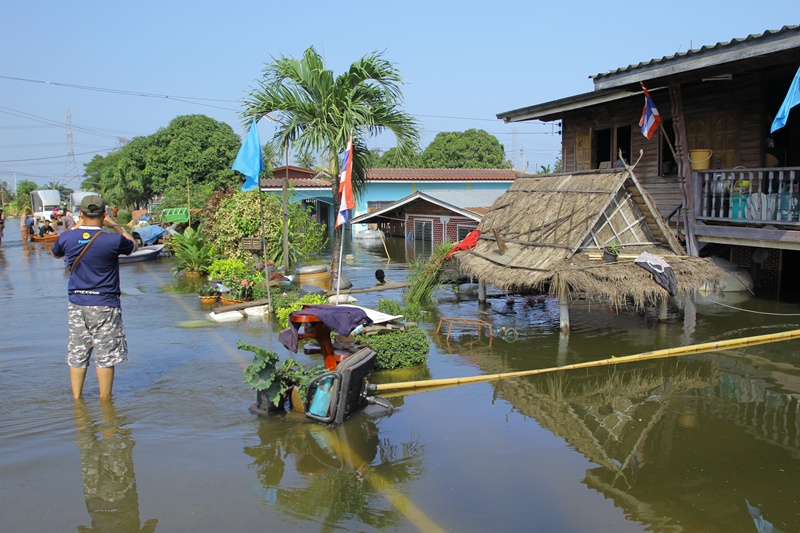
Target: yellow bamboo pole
657	354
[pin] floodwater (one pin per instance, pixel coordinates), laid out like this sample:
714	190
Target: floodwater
705	443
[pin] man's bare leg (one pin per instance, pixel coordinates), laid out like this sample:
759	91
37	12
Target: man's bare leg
105	380
77	376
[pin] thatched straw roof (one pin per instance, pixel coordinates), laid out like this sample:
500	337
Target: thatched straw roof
554	228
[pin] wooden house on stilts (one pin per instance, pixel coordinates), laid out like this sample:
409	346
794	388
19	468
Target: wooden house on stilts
548	233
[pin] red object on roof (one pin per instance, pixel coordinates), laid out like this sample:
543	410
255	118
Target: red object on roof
466	243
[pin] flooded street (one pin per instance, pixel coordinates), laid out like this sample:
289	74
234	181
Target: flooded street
703	443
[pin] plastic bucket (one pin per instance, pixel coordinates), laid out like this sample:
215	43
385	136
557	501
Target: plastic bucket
789	207
700	159
313	275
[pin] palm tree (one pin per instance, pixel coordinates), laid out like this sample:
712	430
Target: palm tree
318	113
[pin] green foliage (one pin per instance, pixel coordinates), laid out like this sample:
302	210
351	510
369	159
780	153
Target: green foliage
124	217
392	307
425	276
24	189
283	297
321	111
265	374
192	251
193	151
228	268
238	214
469	149
207	289
398	349
241	289
282	313
397	158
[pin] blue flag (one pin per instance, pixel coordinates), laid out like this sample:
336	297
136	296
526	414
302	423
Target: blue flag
248	160
791	100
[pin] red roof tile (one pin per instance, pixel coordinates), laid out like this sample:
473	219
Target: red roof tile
440	174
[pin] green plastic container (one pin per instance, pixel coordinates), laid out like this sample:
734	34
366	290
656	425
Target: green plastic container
738	205
789	207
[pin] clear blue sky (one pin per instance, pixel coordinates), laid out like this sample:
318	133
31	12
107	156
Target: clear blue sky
462	62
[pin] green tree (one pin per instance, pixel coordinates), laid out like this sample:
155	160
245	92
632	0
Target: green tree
62	189
184	162
468	149
397	158
319	112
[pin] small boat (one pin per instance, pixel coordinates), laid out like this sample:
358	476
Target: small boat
369	235
50	237
144	253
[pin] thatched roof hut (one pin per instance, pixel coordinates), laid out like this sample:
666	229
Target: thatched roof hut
549	232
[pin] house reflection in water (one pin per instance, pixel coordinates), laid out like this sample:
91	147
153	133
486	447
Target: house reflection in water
679	443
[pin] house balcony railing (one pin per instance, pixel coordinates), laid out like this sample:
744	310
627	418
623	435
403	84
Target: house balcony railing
751	196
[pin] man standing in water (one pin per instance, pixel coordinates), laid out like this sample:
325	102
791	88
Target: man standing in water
94	313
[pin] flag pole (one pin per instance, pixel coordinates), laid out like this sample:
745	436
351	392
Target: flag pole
339	270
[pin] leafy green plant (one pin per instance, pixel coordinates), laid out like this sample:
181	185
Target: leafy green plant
192	251
207	289
241	289
124	217
282	314
266	374
613	247
398	349
425	275
228	268
238	214
393	307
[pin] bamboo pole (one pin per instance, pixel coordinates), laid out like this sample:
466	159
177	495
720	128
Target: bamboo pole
657	354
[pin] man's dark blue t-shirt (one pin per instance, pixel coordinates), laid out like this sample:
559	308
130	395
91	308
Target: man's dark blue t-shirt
95	279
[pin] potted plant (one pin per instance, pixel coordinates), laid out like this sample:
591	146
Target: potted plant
611	251
193	253
208	293
241	290
273	381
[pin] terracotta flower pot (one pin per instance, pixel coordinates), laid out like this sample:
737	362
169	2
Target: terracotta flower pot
230	301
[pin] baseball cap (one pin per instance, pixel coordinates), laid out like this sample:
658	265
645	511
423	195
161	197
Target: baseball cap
93	205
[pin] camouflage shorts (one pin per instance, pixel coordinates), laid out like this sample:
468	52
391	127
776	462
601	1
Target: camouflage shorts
98	330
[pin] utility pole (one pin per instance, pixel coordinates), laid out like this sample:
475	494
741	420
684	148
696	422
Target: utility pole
70	165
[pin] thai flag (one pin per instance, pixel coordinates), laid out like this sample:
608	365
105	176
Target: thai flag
346	200
650	117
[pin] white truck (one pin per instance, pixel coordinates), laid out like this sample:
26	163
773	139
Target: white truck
76	198
43	202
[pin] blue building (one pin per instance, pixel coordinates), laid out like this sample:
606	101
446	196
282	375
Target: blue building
384	186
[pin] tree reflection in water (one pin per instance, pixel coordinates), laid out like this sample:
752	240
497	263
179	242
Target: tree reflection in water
109	482
338	473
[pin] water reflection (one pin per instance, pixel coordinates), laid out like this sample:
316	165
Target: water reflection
678	442
109	482
336	473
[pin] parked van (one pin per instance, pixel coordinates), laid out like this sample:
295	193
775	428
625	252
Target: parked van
43	202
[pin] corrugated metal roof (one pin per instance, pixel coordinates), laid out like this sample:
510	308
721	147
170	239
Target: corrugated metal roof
469	200
721	46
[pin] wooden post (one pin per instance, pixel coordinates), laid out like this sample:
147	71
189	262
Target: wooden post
662	309
500	244
563	303
481	292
